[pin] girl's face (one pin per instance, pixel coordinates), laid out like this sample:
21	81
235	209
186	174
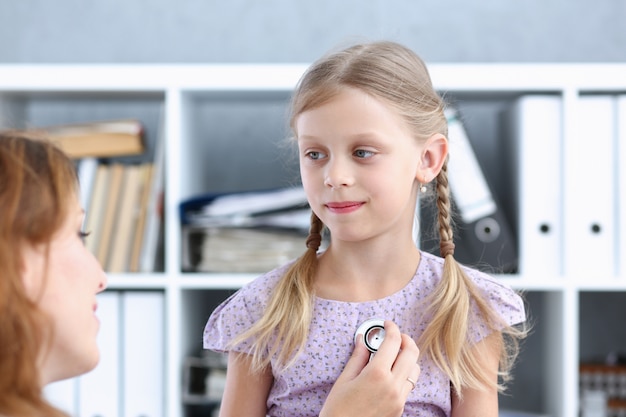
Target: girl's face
360	166
65	289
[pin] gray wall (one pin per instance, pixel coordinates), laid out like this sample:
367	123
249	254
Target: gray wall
131	31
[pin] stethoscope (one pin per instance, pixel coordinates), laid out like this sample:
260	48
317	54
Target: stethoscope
373	332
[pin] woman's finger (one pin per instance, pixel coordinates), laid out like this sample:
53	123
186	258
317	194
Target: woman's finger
390	346
406	367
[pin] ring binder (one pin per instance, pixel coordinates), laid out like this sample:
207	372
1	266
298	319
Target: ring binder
483	236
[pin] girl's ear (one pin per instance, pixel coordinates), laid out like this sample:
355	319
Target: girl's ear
434	155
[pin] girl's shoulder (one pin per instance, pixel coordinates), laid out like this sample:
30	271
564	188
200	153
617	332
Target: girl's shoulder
434	264
502	298
256	293
240	311
265	283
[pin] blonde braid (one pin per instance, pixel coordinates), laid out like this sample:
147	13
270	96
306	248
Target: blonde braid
314	240
287	316
446	234
445	339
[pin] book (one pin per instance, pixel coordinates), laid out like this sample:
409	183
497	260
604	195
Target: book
98	139
122	239
146	174
109	215
97	203
152	229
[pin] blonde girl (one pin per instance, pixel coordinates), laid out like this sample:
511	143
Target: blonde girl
371	136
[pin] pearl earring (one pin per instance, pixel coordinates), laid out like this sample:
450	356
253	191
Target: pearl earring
423	188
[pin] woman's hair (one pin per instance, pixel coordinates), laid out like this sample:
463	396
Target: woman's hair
37	181
396	75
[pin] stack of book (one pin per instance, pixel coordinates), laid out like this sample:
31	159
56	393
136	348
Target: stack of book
123	213
122	199
100	139
245	231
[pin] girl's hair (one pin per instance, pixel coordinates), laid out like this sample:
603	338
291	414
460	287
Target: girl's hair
37	182
396	75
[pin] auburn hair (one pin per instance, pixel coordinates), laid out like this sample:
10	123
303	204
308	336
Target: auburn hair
37	181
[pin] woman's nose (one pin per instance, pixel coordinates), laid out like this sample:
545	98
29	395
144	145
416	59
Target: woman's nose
103	282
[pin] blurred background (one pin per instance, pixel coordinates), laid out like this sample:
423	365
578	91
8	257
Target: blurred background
208	31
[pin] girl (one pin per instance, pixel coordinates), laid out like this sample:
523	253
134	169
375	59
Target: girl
371	135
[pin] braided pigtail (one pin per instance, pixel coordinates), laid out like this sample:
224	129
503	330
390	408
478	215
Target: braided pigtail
314	240
446	338
444	216
284	326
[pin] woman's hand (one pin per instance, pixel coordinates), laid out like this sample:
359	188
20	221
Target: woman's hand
378	387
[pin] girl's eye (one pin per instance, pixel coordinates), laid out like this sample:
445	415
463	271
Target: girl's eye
315	155
83	235
362	153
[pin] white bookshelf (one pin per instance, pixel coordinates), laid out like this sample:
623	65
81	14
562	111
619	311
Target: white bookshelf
194	102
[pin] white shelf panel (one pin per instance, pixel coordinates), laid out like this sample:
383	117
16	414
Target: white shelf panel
215	281
145	281
257	76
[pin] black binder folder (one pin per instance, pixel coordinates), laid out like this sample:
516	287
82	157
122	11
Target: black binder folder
483	236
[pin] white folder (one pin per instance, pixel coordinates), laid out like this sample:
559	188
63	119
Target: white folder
537	127
98	390
62	394
621	183
143	345
590	190
483	234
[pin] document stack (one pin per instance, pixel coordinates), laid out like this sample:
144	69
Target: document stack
253	231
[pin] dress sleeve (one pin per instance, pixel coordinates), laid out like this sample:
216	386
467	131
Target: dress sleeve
505	302
237	314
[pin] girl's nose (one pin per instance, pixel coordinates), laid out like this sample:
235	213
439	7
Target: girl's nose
338	175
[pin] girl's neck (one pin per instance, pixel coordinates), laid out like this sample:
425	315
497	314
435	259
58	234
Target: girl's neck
346	273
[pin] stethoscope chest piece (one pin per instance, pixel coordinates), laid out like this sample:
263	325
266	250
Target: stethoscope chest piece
373	331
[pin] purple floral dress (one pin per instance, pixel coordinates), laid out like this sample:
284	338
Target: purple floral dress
301	390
